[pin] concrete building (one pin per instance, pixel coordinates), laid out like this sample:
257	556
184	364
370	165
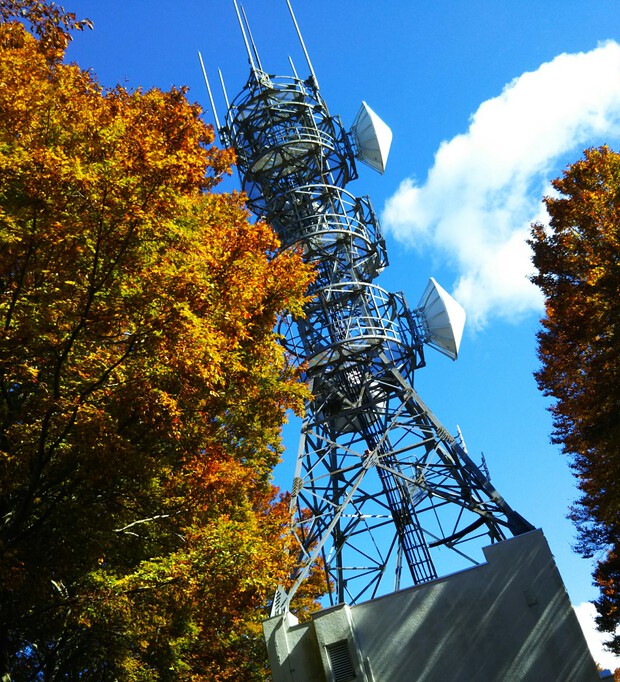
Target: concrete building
507	620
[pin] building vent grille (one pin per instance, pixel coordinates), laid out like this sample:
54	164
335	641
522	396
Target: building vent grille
340	661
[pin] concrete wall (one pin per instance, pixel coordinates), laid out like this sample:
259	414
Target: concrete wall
507	620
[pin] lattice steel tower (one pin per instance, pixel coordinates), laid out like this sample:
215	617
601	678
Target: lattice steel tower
382	493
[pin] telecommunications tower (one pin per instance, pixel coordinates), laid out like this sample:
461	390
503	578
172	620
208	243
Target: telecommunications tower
383	495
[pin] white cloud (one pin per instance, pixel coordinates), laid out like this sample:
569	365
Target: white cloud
485	187
585	615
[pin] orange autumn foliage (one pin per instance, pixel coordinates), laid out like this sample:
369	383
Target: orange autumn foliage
578	270
142	390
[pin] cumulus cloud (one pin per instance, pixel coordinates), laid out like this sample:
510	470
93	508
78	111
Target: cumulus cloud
585	615
485	187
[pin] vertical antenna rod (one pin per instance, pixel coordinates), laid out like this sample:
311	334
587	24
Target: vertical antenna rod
290	61
303	45
247	25
204	73
224	89
245	38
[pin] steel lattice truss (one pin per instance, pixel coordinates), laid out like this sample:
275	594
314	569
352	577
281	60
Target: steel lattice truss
383	493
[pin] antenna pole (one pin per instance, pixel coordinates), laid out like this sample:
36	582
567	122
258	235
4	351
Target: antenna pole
224	89
247	25
204	73
245	38
303	45
290	61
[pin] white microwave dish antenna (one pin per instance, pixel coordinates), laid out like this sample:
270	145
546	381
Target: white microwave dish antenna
443	319
372	138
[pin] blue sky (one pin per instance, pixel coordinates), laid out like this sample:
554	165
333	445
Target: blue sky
487	101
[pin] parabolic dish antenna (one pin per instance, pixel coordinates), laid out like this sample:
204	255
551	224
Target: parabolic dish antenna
372	138
443	319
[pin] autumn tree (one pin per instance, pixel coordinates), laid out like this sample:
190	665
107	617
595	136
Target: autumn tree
142	390
577	259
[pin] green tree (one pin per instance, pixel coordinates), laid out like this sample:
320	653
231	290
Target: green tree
142	390
578	270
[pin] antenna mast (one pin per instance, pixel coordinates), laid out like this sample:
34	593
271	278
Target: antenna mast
380	484
213	109
245	38
303	45
254	50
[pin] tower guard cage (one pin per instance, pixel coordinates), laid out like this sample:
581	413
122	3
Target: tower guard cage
383	496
